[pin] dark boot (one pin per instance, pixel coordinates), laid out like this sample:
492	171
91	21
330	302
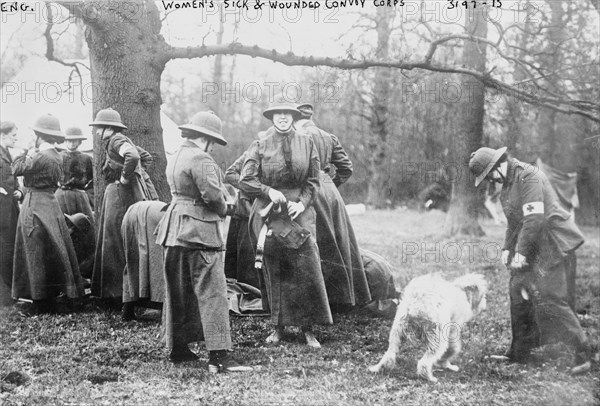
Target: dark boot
181	353
128	313
221	361
45	306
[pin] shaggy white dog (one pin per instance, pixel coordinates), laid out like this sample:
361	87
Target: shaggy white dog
435	311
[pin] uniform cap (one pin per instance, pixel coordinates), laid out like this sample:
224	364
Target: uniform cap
74	134
108	117
206	123
282	105
49	125
483	160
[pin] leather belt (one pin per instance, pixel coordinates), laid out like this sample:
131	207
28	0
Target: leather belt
260	246
262	237
188	200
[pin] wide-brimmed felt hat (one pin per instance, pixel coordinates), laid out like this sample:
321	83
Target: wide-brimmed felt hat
108	117
304	105
79	220
483	160
282	105
306	109
48	125
206	123
74	134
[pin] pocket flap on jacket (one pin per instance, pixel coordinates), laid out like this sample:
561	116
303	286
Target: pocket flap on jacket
284	233
198	212
193	230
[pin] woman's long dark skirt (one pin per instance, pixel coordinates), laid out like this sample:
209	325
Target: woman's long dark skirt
195	304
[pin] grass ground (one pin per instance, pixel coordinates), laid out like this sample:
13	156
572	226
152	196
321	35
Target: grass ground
92	357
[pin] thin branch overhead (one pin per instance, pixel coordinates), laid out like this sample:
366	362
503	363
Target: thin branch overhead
52	57
564	105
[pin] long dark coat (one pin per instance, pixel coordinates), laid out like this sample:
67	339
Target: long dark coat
77	172
341	262
293	281
107	279
45	261
143	275
9	209
545	233
239	251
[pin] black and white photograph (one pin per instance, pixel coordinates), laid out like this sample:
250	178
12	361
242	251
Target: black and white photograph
300	202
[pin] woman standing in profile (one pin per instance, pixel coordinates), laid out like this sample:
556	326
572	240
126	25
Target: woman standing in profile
283	168
45	262
10	196
125	185
195	303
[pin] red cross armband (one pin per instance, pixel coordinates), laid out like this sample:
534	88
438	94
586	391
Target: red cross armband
533	208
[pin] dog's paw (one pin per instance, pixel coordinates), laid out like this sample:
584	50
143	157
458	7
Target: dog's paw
430	378
374	368
448	366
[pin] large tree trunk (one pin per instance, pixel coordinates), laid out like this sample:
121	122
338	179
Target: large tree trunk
124	39
547	134
517	121
379	185
465	202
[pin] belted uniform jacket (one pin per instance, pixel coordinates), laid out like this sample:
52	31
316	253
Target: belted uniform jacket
538	227
330	152
194	217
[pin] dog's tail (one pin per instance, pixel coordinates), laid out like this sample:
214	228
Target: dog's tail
397	336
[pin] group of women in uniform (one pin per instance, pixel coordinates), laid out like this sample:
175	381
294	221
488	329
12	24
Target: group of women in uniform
286	171
287	177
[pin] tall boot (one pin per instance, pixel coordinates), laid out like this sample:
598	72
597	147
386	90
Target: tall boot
128	312
181	353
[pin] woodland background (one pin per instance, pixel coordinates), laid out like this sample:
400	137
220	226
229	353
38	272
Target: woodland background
393	90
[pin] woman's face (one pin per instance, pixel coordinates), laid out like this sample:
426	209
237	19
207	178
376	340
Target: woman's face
497	174
282	120
9	140
209	146
72	145
103	132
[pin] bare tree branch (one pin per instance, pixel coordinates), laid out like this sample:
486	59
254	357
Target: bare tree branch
50	52
563	105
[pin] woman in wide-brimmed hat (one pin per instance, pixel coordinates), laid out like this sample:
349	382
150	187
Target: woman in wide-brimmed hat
45	263
77	173
539	249
190	231
341	261
125	185
283	169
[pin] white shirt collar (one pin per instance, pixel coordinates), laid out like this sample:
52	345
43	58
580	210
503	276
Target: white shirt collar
45	145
